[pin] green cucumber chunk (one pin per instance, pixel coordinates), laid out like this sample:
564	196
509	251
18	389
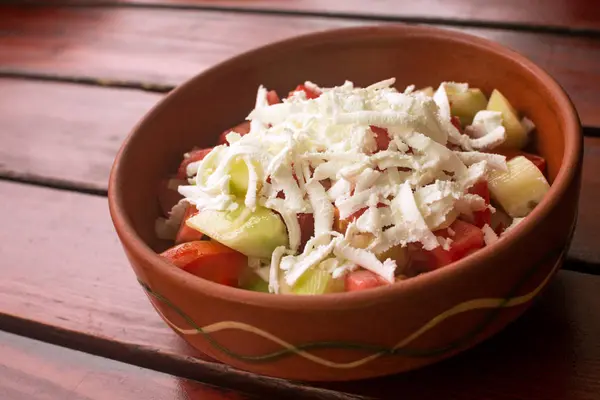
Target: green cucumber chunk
318	281
516	134
466	105
253	233
258	286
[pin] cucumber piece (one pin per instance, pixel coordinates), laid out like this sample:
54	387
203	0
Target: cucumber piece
250	280
516	134
258	286
337	285
314	281
238	183
520	189
318	281
252	233
465	105
238	172
397	253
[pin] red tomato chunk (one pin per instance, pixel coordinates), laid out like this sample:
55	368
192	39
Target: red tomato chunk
209	260
482	217
310	94
185	233
273	97
363	279
466	239
242	129
307	228
538	161
382	138
456	122
195	155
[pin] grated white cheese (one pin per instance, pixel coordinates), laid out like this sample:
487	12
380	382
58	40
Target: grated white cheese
515	222
274	269
319	201
444	242
343	269
527	124
489	236
167	228
305	262
408	212
309	155
496	161
366	259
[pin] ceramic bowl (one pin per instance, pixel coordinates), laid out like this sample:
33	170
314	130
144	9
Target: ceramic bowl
374	332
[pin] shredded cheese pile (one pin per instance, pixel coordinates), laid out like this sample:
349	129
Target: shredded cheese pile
322	153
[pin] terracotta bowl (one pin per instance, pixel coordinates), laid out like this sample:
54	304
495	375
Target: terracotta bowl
362	334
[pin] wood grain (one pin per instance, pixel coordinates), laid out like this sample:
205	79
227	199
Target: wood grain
64	280
68	135
570	14
166	47
33	370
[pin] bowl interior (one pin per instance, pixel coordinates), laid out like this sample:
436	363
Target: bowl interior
197	112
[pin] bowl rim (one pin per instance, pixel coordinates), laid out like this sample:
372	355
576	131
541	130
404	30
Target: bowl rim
336	301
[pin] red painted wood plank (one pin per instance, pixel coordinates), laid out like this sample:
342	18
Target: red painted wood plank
33	370
169	46
571	14
65	133
64	279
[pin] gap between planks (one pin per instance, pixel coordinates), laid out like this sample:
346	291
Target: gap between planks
86	81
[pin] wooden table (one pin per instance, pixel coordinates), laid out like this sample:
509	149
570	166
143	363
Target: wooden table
76	76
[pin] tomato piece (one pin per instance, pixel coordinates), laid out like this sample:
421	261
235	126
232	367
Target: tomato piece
194	155
168	197
481	189
360	212
326	183
310	94
467	238
538	161
339	225
422	260
185	233
209	260
500	228
307	228
382	138
482	217
456	122
242	128
363	279
273	97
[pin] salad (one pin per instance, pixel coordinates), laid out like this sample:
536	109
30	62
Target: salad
349	188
